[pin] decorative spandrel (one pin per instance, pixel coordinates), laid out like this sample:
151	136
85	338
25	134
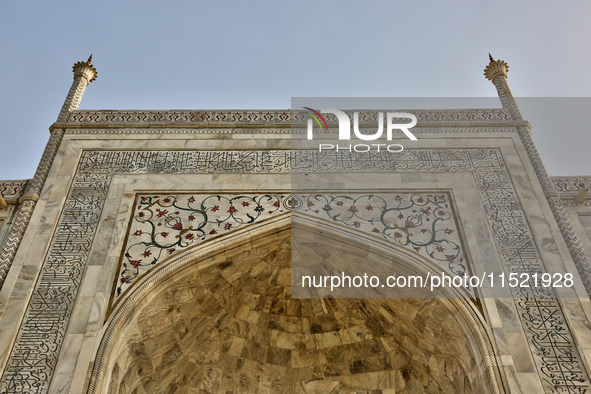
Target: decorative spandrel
164	225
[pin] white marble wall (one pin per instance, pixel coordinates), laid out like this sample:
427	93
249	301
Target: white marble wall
514	354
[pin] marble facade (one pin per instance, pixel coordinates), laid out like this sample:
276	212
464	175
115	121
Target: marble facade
84	309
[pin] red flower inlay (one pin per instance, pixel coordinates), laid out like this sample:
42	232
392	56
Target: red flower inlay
135	263
161	213
450	258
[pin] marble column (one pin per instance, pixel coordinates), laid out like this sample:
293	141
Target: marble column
496	72
84	73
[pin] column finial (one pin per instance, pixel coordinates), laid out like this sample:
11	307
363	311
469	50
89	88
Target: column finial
495	68
85	69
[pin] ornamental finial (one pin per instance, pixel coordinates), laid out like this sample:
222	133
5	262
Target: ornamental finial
85	69
495	68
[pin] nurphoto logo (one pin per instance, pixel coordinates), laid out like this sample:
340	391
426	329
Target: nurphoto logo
345	129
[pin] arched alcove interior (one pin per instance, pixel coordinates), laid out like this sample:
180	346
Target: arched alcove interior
227	324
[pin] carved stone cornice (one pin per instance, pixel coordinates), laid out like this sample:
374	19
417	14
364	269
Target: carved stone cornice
270	120
11	189
571	184
275	117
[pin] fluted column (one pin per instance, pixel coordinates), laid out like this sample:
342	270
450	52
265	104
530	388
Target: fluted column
84	73
496	71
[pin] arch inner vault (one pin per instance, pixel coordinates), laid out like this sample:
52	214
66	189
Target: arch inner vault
223	321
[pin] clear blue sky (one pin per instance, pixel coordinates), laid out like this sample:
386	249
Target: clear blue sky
258	54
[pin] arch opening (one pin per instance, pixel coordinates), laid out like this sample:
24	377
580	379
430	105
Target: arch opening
226	322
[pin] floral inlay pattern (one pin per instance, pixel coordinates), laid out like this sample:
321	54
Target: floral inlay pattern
164	225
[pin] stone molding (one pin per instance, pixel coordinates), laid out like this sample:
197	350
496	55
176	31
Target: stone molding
573	203
28	201
182	129
575	247
14	237
12	188
571	184
275	118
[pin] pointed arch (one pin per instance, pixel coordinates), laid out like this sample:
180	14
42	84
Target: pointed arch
469	321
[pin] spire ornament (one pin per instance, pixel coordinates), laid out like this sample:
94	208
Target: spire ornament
85	69
495	68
